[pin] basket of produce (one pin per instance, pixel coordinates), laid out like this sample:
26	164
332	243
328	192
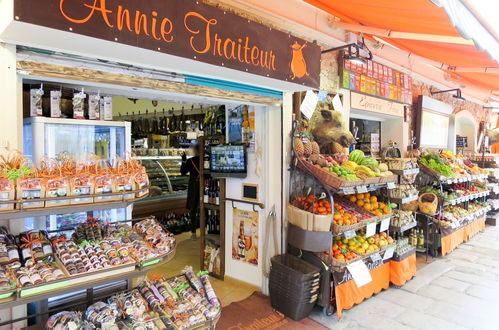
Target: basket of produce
311	213
428	203
323	174
435	165
400	164
368	203
412	206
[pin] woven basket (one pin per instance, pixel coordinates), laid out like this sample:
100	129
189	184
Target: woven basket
433	203
337	229
385	179
432	172
372	180
326	178
410	207
335	264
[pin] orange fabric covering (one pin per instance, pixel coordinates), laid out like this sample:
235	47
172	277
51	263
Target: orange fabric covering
403	271
495	146
417	16
450	242
348	294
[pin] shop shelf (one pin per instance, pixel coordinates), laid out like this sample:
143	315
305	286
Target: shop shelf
403	228
404	200
74	208
406	172
211	206
466	198
79	282
159	157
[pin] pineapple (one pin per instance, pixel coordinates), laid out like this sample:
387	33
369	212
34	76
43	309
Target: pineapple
298	147
315	148
307	147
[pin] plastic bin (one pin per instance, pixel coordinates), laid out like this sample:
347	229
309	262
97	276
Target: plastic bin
295	269
293	286
292	309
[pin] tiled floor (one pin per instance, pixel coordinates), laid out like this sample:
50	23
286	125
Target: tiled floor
188	251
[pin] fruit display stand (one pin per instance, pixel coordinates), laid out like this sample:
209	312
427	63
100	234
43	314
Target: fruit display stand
462	195
403	267
346	291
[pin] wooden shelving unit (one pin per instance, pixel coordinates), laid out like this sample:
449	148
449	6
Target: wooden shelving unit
204	237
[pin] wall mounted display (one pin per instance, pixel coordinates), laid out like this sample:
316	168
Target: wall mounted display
376	79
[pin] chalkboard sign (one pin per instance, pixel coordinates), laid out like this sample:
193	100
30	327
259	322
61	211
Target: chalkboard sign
250	191
461	141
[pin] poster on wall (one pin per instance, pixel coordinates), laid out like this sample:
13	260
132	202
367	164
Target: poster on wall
242	125
245	236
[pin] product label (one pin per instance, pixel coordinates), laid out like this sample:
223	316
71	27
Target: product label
94	107
55	104
108	108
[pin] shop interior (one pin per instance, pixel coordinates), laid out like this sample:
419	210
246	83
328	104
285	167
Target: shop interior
160	132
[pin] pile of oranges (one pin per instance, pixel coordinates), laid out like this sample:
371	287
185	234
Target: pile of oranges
342	217
342	253
313	204
370	203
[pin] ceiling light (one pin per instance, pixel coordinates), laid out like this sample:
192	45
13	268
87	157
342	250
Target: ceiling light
457	90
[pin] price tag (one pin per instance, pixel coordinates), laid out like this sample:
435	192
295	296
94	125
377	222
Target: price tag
360	273
376	257
391	185
308	104
449	181
349	234
348	190
389	253
453	202
361	189
385	224
371	229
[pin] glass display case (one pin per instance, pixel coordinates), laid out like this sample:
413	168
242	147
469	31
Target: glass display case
52	136
164	173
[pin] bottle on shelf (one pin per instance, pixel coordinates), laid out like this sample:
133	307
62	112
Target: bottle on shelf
421	240
206	191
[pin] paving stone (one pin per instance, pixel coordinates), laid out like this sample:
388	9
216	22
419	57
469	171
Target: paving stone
486	279
482	320
420	320
450	283
406	299
488	262
373	308
428	274
483	292
447	295
463	254
469	267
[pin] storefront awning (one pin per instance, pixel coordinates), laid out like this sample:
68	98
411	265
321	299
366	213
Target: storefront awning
443	31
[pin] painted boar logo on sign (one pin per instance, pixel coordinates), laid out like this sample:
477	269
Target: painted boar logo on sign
298	64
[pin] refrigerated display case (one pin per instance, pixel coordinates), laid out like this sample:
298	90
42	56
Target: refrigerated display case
51	137
168	187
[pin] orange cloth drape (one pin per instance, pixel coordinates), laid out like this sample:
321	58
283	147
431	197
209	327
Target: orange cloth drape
403	271
495	146
450	242
417	16
349	294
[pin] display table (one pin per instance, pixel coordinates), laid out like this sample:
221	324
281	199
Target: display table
463	234
347	293
403	270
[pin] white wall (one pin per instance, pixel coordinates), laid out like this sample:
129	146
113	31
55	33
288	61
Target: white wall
264	169
466	125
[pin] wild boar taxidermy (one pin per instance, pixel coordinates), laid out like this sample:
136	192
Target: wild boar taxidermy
329	132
